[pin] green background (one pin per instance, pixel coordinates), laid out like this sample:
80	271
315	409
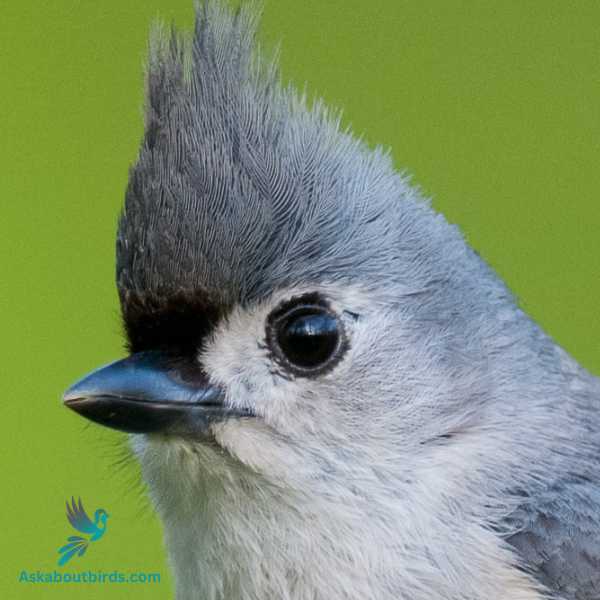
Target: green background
492	106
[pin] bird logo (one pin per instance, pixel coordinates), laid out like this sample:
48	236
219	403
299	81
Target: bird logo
78	518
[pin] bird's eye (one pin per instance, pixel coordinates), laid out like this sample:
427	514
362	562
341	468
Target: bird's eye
306	336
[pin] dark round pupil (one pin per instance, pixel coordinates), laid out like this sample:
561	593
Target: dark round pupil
308	340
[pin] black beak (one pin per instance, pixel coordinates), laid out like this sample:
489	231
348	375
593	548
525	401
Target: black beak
147	393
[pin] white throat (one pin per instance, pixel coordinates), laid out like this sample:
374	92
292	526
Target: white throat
231	535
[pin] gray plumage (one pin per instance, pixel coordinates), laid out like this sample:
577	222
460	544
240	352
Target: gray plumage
453	452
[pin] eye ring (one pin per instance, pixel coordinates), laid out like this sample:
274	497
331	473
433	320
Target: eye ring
305	336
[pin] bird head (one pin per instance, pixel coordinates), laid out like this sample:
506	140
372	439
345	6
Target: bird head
280	284
299	319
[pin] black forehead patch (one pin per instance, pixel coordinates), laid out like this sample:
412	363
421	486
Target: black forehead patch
176	323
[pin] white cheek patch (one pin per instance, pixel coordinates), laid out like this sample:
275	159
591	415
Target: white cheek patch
238	358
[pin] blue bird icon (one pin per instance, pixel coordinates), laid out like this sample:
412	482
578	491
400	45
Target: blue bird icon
79	519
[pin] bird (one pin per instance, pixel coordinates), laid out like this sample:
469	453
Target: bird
79	519
330	393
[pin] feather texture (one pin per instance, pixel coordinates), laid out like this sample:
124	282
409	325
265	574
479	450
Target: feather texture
453	453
